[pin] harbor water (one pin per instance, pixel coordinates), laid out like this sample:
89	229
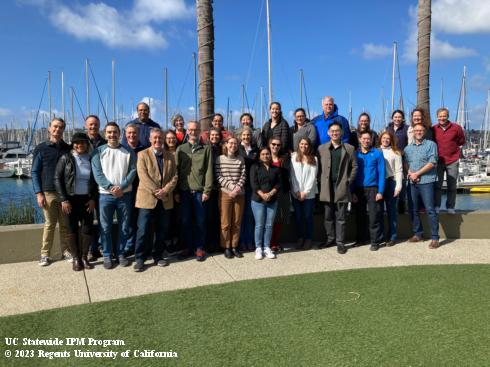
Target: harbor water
20	192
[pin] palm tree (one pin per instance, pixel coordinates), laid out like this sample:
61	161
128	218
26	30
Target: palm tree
205	40
423	55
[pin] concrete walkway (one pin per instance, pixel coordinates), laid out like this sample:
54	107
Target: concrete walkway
27	287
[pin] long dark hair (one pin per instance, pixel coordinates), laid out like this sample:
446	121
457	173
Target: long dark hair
309	154
280	110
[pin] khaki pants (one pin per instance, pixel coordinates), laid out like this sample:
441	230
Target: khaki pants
52	214
231	216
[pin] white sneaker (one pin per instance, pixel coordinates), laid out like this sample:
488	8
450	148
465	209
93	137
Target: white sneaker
268	253
44	261
258	254
451	211
437	209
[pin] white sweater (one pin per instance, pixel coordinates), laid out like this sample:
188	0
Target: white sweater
303	177
393	166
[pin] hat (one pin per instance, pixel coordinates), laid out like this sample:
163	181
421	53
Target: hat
79	137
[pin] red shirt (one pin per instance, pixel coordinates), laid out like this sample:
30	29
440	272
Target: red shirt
449	141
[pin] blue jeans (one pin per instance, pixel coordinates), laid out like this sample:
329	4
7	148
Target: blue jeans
159	217
247	226
122	206
303	212
264	214
390	202
426	193
193	219
133	223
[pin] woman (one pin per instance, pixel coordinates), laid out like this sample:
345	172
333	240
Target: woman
170	143
420	116
303	172
302	129
212	215
277	127
246	120
281	161
77	190
393	183
265	181
231	176
180	132
250	154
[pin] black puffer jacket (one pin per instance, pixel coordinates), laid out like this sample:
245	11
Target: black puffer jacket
65	176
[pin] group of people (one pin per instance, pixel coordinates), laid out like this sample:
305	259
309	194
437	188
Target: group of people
195	191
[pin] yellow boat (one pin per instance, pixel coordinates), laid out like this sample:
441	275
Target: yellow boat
480	190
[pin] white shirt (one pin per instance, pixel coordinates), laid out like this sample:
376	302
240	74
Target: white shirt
303	177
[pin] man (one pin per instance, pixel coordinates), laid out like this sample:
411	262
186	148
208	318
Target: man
45	158
114	168
132	142
92	125
449	138
218	123
144	124
338	170
368	190
323	121
421	162
157	172
363	124
195	172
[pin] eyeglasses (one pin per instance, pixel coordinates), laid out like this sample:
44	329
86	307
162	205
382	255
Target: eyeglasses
275	145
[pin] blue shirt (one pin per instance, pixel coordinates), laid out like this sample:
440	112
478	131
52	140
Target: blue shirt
371	169
418	155
322	124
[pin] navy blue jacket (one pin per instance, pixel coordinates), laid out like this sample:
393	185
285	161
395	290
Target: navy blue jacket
45	158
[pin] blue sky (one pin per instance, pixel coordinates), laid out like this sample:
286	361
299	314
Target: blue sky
343	47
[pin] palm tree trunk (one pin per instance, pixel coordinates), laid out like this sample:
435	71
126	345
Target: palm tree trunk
205	37
423	55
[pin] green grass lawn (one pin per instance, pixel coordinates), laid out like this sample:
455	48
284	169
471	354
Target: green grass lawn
409	316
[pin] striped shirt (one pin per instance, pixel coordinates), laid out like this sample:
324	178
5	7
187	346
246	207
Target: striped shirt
230	173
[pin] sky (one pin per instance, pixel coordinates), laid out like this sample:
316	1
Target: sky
343	47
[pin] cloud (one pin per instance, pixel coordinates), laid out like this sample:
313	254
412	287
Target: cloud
461	16
372	51
4	112
439	49
115	28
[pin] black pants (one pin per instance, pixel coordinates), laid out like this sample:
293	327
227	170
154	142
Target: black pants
372	230
80	218
335	222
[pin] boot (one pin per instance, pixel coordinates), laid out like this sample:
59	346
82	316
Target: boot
77	264
86	240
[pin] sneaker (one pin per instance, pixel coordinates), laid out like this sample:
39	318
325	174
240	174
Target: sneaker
200	255
122	261
341	249
390	243
374	247
268	253
414	238
236	251
451	211
139	265
437	209
161	263
44	261
67	257
258	254
107	262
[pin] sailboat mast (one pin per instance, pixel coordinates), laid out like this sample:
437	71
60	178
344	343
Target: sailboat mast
269	51
114	90
72	109
49	96
301	87
87	88
393	78
63	95
166	97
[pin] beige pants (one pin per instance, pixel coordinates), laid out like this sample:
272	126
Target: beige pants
52	214
231	216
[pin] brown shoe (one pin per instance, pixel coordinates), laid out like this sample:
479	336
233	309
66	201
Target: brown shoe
77	264
86	263
414	238
434	244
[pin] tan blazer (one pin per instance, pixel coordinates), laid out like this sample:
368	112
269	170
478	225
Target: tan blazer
149	176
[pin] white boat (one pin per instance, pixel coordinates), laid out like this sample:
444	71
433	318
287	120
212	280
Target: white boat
7	172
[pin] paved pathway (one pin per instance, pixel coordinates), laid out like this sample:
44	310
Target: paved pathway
27	287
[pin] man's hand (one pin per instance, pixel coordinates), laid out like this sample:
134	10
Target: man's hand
117	192
41	200
379	197
205	197
66	207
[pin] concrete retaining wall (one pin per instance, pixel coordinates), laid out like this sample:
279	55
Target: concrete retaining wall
21	243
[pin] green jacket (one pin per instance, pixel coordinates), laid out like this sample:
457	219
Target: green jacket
194	167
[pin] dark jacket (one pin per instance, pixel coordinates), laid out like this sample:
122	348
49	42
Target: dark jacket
44	161
401	135
65	176
280	131
354	139
250	159
346	176
265	180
